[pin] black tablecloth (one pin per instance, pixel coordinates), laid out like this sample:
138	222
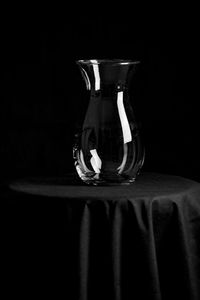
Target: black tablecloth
76	242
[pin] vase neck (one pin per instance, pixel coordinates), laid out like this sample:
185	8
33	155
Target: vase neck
103	73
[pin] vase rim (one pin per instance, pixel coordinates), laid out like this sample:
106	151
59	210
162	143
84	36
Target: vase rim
108	61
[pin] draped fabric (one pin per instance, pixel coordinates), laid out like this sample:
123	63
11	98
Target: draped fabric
77	242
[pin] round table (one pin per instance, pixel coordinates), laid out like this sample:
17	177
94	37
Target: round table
140	241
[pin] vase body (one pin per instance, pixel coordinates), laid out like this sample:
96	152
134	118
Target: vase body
108	148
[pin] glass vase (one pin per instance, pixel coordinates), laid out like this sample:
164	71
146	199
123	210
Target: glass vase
108	148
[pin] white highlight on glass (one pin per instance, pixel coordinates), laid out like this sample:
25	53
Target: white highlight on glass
83	162
123	118
121	167
96	74
87	80
95	161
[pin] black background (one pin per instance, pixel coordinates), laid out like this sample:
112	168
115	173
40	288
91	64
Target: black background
42	86
41	93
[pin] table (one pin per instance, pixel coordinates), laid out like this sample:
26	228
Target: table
70	241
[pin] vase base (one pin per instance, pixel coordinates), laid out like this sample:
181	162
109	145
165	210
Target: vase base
106	179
